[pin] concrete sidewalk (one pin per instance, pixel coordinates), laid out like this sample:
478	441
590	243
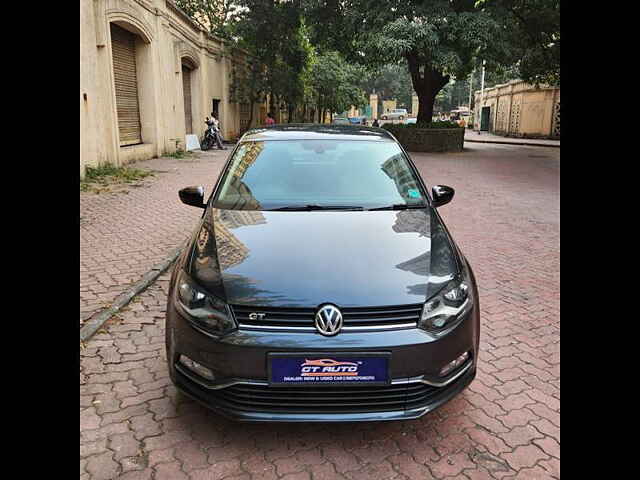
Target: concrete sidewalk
486	137
124	233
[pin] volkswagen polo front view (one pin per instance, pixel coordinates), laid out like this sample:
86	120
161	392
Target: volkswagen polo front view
321	284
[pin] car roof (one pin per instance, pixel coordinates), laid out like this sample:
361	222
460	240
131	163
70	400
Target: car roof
316	131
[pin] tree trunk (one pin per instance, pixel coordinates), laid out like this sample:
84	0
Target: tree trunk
426	85
250	116
271	104
290	113
426	100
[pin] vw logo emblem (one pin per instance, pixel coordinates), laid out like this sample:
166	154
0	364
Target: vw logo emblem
329	320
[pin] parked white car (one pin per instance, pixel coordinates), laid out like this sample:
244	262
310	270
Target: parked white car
395	114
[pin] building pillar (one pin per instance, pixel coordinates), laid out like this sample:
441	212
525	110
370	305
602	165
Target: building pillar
373	101
414	105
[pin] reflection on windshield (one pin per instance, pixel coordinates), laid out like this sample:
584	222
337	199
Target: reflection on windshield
397	170
264	175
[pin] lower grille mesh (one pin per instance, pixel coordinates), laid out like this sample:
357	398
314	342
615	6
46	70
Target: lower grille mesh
259	398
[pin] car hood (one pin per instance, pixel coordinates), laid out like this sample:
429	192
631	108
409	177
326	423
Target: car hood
303	259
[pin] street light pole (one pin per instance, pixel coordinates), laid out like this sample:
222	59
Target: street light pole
471	88
481	97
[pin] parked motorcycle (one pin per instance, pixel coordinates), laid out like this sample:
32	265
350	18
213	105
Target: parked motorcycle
209	138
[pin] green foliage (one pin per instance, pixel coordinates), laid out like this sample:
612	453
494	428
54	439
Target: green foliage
389	82
179	154
437	39
215	16
529	39
273	35
335	83
108	174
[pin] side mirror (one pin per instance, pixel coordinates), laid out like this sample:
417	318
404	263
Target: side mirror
193	196
442	195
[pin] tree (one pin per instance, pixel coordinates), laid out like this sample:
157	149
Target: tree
335	84
268	41
248	83
215	16
272	33
389	82
438	39
531	36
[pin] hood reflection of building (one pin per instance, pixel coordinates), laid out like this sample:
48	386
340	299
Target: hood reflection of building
214	256
396	168
232	251
228	250
415	221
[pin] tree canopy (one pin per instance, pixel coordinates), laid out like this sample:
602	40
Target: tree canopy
335	83
530	38
328	52
438	39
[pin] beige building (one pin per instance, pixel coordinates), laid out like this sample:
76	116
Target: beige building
148	77
519	109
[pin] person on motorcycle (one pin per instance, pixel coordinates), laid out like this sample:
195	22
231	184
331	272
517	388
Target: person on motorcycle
214	125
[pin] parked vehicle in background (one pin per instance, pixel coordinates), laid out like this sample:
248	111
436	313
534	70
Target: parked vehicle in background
395	114
341	121
462	116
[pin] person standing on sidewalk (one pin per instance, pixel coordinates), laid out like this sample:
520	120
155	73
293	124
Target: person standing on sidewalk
270	120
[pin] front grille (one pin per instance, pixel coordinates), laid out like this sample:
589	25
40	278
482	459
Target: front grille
261	398
354	318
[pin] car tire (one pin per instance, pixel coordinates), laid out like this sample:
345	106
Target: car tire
401	117
384	117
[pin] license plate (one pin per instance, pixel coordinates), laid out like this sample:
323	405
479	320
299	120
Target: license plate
288	369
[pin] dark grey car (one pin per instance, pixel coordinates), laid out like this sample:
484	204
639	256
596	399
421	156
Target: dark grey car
321	284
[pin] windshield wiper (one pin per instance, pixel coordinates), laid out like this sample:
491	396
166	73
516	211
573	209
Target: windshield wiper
399	206
308	208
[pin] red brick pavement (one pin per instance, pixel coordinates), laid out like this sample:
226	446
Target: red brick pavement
124	234
134	425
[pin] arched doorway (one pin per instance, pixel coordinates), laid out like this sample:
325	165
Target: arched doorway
187	88
123	45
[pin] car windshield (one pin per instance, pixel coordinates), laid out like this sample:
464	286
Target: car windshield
266	175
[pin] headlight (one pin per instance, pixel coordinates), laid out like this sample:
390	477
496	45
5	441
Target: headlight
203	309
441	311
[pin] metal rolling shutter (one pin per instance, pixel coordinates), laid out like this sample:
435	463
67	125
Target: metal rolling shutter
124	73
186	88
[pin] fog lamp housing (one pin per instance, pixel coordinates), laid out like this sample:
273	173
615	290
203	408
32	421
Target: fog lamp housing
449	367
196	367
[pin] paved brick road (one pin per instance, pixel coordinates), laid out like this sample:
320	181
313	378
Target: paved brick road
122	235
505	217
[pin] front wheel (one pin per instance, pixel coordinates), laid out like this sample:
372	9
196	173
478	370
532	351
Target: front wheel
206	143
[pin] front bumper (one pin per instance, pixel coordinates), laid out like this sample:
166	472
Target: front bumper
211	399
241	391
